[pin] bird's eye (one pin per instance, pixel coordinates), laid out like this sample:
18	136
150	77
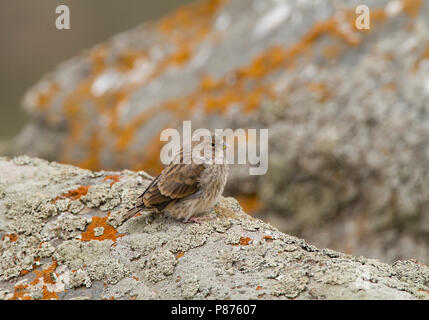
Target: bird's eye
213	144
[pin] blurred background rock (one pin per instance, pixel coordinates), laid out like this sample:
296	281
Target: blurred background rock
31	45
347	109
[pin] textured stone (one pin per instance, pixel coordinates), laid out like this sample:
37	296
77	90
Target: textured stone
232	256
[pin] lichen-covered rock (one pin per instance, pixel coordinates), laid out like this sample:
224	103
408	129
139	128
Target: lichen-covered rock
80	255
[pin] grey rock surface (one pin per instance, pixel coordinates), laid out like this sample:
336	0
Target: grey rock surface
347	111
51	247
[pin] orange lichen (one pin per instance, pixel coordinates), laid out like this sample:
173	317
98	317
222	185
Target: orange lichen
208	83
34	266
412	7
75	194
110	233
152	162
12	237
331	52
194	19
44	97
181	33
47	274
98	57
21	291
48	295
250	203
127	60
23	272
179	255
268	238
180	56
93	147
390	86
323	92
126	134
114	178
188	17
244	241
258	288
424	55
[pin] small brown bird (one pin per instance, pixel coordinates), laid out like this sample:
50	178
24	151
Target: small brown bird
187	190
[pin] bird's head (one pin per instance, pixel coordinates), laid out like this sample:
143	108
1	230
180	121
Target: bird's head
209	147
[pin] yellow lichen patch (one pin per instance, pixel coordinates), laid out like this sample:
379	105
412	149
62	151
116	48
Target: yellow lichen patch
77	121
250	203
98	58
180	56
93	147
127	60
322	91
390	86
181	32
152	162
424	55
109	233
248	87
412	7
208	83
126	134
219	103
331	52
190	17
148	159
253	100
44	97
265	63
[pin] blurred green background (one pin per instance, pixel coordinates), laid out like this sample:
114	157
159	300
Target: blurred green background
31	45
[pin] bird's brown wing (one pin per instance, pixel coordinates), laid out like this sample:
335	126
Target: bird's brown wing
175	182
180	180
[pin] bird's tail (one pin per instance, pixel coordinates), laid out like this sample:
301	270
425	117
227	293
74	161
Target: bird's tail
131	213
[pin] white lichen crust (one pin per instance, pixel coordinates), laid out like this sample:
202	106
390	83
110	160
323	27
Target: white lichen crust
48	251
